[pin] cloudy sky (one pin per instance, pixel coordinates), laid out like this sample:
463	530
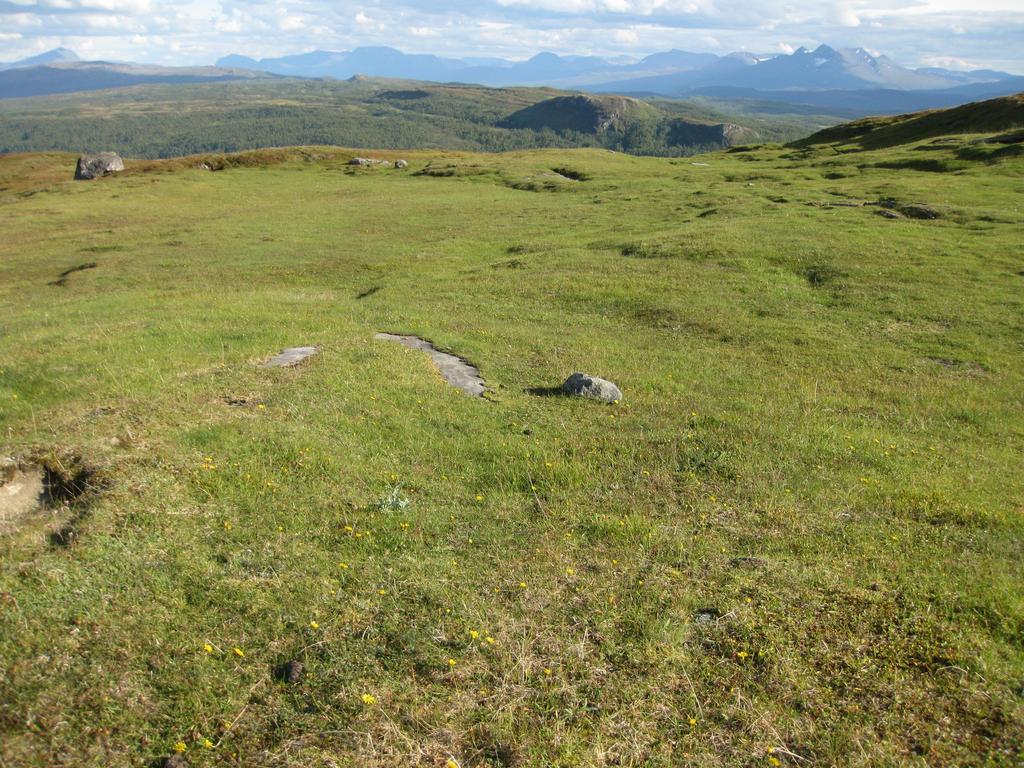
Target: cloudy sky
952	33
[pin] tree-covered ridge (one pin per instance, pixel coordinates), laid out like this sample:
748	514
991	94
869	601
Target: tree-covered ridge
168	121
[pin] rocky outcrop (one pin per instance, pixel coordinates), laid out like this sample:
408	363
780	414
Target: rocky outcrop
94	166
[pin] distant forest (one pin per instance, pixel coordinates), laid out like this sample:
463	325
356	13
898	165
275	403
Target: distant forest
173	120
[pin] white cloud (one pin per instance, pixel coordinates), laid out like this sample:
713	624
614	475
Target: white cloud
626	36
198	31
845	17
290	23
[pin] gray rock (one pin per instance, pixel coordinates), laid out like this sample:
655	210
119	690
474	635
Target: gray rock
582	385
363	161
94	166
454	370
291	356
401	165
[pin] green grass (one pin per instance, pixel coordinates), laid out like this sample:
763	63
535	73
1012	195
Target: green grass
830	394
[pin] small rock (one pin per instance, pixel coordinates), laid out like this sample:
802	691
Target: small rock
401	165
175	761
363	161
582	385
291	672
94	166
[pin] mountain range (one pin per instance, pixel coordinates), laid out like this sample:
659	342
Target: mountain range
855	80
668	73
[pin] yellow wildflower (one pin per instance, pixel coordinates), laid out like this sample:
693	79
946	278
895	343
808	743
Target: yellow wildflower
368	699
207	647
314	625
239	653
180	747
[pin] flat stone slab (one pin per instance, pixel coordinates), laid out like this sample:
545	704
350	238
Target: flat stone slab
291	356
453	369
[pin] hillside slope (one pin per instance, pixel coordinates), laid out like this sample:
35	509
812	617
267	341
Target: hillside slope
797	539
995	115
162	121
83	76
583	114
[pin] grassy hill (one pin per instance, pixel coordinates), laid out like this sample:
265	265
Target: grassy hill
797	540
992	116
169	121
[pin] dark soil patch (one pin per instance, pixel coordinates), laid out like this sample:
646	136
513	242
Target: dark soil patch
572	173
62	278
820	275
243	401
290	672
910	210
103	248
749	563
65	486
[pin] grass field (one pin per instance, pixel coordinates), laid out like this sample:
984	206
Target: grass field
795	541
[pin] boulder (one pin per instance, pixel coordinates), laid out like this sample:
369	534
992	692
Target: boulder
583	385
363	161
94	166
401	165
